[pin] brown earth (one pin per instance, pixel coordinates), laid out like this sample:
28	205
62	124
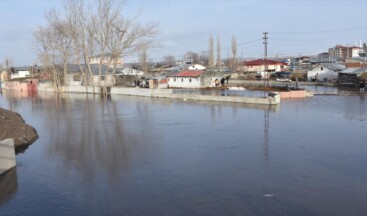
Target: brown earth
13	126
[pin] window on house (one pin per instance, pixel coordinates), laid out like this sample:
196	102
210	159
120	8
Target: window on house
190	80
174	80
322	68
182	80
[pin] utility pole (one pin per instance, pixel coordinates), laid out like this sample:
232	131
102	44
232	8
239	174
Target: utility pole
266	80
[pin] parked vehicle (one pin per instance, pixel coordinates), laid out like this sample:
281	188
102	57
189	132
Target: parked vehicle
281	74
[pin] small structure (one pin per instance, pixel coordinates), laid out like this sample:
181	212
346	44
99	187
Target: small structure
131	71
7	155
350	76
259	65
106	60
19	72
186	79
196	67
325	72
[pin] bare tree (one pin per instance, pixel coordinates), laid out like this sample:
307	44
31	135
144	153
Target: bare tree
84	29
169	60
234	54
143	60
211	53
203	58
192	56
8	63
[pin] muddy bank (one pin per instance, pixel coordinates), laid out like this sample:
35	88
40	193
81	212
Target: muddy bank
13	126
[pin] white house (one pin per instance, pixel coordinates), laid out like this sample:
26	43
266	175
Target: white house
132	71
186	79
325	72
259	65
19	72
196	67
106	60
76	78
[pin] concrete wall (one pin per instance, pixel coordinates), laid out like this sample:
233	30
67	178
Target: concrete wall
293	94
18	86
140	91
80	89
168	93
7	155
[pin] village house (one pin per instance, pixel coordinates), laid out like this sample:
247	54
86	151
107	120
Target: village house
196	67
75	75
106	60
131	71
19	72
259	65
186	79
351	76
325	72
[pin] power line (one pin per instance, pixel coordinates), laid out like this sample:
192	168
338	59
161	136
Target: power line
315	40
323	31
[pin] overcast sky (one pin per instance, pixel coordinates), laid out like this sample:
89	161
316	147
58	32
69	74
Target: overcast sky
296	27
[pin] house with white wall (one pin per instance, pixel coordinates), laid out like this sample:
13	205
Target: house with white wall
19	72
75	75
196	67
259	65
325	72
106	60
186	79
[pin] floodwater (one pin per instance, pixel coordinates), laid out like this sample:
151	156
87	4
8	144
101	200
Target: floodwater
146	156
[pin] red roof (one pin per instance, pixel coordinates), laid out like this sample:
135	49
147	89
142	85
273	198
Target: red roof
189	73
163	81
262	62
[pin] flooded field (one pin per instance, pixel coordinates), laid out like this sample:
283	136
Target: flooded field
144	156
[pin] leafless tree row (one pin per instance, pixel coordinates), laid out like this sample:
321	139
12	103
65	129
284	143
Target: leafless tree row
83	30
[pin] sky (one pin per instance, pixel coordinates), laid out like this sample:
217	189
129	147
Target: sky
295	27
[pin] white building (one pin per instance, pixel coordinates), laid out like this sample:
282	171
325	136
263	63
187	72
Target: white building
106	60
186	79
196	67
325	72
259	65
132	71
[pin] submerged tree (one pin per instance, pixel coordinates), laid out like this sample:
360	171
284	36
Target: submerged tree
83	30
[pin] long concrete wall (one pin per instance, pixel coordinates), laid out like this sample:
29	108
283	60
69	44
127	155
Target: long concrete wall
167	93
7	155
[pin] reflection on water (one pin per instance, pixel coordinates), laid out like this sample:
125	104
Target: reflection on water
8	185
146	156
